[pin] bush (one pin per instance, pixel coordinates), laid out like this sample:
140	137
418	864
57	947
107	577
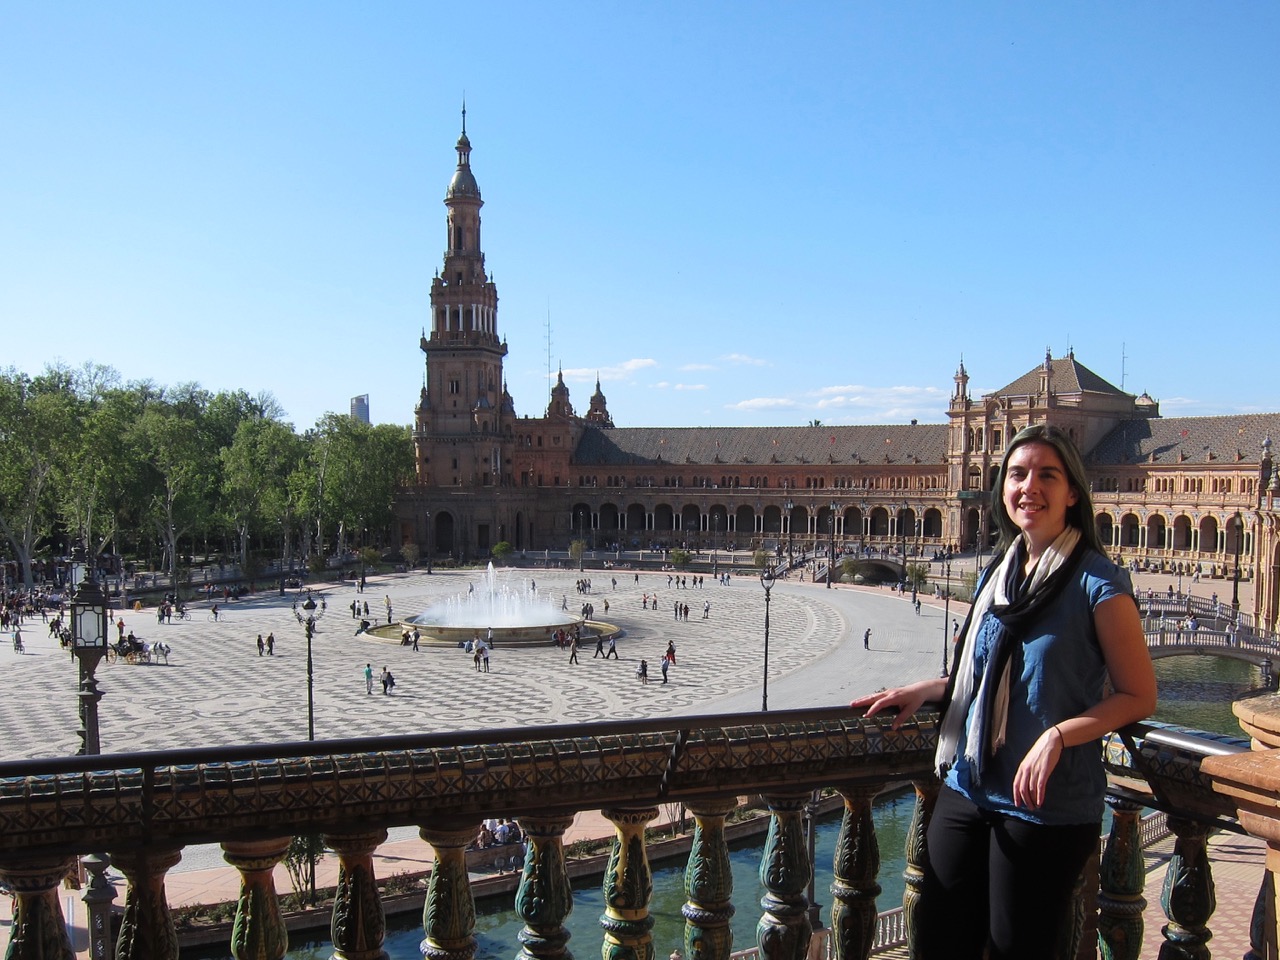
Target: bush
680	558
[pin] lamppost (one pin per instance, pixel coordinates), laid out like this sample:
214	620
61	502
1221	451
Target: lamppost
862	530
766	581
310	613
89	639
789	506
902	534
715	544
946	618
831	547
1235	581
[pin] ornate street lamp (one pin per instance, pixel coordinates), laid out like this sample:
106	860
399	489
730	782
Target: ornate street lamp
789	506
89	639
307	616
862	531
831	545
766	581
1235	581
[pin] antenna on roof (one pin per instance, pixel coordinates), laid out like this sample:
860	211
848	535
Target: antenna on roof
1123	358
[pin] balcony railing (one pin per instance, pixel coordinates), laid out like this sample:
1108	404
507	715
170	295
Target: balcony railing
143	808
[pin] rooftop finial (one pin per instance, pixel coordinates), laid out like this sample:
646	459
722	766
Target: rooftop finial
464	114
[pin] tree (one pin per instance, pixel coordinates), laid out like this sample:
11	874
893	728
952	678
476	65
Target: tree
577	549
255	473
501	551
362	467
918	576
680	558
37	423
410	553
182	470
759	559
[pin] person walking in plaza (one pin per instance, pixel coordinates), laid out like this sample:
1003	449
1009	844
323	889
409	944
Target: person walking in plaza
642	671
1051	658
386	682
368	678
613	649
671	651
599	646
706	609
355	609
866	639
262	645
666	663
271	644
484	656
573	648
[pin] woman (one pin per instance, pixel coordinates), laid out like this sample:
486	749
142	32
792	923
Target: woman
1022	798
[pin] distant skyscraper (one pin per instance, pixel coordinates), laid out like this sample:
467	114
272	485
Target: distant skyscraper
360	408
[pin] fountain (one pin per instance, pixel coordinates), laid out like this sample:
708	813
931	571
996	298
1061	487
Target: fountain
517	616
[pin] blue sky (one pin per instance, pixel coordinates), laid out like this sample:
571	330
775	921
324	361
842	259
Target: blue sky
736	213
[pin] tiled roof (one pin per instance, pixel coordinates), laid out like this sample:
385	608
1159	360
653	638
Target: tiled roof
633	446
1068	376
1188	440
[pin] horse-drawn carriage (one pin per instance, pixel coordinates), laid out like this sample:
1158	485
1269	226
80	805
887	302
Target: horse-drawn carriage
130	649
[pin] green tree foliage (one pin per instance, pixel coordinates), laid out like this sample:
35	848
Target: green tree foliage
501	551
680	558
918	576
38	419
85	458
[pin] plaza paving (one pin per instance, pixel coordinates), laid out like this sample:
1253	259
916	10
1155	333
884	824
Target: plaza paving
216	689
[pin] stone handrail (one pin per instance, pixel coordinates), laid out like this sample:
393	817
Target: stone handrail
142	808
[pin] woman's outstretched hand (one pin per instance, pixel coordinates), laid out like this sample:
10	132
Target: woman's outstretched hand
906	699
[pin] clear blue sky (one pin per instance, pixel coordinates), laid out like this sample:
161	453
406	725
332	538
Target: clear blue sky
737	213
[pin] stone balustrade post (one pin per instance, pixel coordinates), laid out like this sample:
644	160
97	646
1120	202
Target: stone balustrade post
628	887
708	884
1188	897
1122	878
545	898
358	925
449	915
784	931
38	930
917	852
856	867
259	932
146	929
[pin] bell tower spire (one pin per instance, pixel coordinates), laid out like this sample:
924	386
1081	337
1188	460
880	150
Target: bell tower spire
464	392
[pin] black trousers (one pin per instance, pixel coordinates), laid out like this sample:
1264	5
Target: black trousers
997	879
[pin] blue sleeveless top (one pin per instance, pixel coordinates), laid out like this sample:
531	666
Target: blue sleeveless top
1058	673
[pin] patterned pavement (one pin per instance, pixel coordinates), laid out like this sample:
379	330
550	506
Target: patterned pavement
216	689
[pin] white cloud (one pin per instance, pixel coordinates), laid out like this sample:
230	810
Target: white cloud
691	386
694	367
743	359
615	372
765	403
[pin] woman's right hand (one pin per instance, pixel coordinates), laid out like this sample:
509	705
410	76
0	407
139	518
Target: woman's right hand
906	699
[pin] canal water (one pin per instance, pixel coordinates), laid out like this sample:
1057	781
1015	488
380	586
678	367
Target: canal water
1194	692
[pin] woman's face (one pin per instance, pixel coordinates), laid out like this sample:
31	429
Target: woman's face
1037	492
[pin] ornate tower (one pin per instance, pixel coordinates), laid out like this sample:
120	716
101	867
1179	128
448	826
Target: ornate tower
464	411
